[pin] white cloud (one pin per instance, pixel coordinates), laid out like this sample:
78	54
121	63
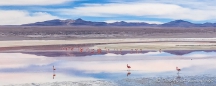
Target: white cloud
39	78
14	60
32	2
143	9
17	17
150	22
144	66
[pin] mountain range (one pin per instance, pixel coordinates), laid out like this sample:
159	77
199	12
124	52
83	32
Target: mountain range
79	22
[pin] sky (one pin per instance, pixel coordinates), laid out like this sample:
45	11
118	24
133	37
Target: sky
16	12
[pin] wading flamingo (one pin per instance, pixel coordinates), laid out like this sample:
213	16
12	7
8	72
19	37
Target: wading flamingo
178	69
81	49
99	51
54	76
128	67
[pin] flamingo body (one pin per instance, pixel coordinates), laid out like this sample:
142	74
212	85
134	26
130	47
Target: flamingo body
128	66
178	69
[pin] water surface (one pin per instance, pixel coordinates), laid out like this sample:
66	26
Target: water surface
146	68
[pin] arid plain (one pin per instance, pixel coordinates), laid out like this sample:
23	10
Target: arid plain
126	38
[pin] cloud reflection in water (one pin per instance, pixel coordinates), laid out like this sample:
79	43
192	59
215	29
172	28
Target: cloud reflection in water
32	68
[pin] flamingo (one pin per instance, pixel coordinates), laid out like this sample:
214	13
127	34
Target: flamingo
178	69
81	50
136	50
99	50
54	76
160	50
65	48
71	48
128	67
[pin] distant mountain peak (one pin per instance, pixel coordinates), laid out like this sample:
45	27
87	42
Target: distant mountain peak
179	21
79	21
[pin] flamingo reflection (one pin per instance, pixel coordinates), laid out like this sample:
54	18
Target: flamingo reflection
178	77
120	50
128	73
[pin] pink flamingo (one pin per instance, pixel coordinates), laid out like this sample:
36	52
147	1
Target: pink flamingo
178	69
136	50
71	48
99	51
54	76
120	51
81	50
65	48
128	67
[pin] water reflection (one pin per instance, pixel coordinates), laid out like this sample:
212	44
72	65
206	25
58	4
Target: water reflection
37	69
128	73
178	77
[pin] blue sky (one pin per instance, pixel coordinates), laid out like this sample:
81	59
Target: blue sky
15	12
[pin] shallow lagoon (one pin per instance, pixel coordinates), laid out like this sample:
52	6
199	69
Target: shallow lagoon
151	68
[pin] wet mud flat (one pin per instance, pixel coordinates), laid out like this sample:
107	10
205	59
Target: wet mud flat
144	81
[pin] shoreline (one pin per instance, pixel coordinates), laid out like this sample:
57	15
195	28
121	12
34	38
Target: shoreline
12	43
113	44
